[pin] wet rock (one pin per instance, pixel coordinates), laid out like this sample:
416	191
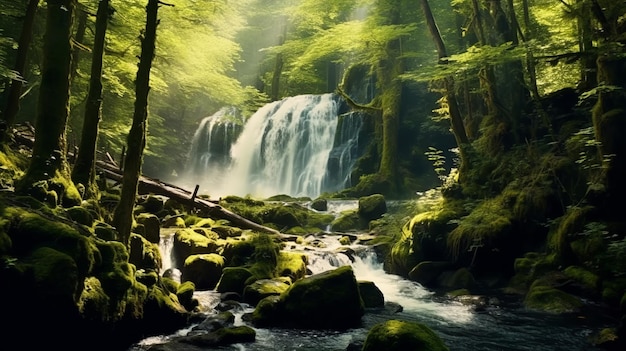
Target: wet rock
395	335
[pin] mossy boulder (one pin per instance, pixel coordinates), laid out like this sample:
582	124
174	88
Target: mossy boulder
203	270
319	204
371	294
105	231
233	279
152	227
549	299
348	221
395	335
328	300
263	288
461	278
152	203
292	265
427	272
188	242
184	292
372	207
144	254
80	215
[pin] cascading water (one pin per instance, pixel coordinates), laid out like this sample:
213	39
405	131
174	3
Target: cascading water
287	147
495	326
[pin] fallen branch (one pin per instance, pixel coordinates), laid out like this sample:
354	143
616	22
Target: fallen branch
148	185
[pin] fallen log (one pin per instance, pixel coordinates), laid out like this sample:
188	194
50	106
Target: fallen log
148	185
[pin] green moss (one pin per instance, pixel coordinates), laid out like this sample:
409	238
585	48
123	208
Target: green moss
395	335
570	223
291	264
31	230
56	273
588	279
233	279
326	300
348	221
549	299
487	222
94	303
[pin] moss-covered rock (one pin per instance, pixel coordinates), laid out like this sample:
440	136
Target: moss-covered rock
328	300
203	270
263	288
292	265
371	294
184	292
319	204
546	298
372	207
233	279
80	215
395	335
188	242
427	272
152	225
348	221
144	254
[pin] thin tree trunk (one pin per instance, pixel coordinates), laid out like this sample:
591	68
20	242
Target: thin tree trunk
84	167
81	27
456	119
15	91
123	215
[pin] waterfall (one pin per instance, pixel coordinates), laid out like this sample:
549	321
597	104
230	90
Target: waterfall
296	146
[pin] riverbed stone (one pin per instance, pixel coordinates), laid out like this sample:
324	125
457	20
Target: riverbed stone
263	288
395	335
372	207
203	270
328	300
152	227
319	204
233	279
371	294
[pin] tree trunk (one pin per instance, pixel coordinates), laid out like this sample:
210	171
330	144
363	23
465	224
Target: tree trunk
79	37
278	69
84	167
48	162
389	70
609	126
456	119
123	215
13	102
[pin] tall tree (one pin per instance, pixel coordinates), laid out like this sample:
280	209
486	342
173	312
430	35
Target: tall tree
456	119
13	100
123	215
48	175
84	168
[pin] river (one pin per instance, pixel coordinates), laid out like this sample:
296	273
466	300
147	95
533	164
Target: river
500	324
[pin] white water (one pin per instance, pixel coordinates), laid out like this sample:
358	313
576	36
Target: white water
496	327
284	148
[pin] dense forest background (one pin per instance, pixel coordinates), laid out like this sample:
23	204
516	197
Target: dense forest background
216	53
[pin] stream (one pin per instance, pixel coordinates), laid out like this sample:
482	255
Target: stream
500	324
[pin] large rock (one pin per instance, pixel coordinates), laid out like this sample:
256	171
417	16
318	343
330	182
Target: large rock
263	288
152	227
372	207
190	242
203	270
371	294
233	280
328	300
394	335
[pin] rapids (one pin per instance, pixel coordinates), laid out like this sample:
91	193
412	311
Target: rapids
476	323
